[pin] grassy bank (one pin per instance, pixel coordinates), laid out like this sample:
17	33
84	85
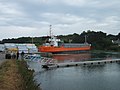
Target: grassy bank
14	75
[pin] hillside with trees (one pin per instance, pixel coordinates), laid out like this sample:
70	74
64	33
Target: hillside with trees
99	40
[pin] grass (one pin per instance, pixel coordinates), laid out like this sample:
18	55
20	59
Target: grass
10	79
14	75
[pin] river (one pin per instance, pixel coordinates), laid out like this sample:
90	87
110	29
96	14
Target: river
94	77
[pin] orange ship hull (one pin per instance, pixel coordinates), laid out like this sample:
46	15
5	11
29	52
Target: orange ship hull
53	49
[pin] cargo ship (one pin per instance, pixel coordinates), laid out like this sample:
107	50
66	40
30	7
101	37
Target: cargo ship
55	46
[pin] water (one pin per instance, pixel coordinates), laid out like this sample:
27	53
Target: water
97	77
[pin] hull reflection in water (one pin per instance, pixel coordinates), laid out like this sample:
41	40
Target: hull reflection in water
94	77
72	57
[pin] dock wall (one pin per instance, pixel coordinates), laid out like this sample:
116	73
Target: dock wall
84	63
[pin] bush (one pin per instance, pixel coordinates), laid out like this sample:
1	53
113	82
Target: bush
27	75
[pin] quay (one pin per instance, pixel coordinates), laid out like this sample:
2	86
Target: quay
84	63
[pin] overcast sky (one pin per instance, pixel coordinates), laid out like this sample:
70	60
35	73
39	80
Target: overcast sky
20	18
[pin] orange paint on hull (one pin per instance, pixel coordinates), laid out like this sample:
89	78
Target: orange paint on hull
62	49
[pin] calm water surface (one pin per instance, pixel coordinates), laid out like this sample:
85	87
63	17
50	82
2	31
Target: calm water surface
99	77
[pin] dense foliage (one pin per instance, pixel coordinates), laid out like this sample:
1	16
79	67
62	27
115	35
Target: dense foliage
27	75
98	40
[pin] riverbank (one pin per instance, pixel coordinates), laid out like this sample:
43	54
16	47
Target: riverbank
15	75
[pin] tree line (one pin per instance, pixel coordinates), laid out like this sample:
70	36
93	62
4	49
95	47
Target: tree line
99	40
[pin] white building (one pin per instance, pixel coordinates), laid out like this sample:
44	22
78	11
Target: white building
2	47
22	48
32	48
26	48
10	45
116	42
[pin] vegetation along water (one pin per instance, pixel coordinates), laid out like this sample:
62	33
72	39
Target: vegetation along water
15	75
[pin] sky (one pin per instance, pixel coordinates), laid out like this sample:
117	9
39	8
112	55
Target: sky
24	18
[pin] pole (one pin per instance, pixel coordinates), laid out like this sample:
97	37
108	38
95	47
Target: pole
32	40
85	39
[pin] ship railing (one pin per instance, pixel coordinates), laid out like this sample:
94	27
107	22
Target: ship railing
76	45
47	61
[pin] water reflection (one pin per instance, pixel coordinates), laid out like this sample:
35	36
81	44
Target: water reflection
104	55
94	77
72	57
91	56
103	77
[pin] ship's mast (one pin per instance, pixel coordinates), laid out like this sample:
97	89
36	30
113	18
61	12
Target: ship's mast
50	30
53	40
51	36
